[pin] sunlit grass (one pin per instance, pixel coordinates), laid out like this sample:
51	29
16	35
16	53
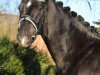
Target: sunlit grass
8	25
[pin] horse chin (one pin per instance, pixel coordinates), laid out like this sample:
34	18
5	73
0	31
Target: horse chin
25	44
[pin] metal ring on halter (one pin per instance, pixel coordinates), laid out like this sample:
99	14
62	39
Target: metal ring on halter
31	20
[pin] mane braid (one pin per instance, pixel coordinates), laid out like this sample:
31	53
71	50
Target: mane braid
73	14
86	24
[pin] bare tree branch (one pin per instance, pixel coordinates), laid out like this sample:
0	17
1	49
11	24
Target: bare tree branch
89	4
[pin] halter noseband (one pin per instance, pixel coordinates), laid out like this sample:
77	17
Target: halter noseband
31	20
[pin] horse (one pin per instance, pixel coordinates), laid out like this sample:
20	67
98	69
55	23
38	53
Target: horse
74	47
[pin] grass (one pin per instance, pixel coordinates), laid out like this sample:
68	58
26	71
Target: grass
8	25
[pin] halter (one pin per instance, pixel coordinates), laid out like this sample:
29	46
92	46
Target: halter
32	21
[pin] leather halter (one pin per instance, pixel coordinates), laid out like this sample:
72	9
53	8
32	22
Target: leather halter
32	21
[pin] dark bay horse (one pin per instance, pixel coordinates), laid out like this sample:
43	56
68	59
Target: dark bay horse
72	43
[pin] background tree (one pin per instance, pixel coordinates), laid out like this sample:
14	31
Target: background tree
97	23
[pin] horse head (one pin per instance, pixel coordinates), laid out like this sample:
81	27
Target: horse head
31	15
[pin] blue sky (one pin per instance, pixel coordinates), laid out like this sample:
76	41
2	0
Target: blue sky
9	6
80	6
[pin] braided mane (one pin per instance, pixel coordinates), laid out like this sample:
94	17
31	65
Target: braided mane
73	14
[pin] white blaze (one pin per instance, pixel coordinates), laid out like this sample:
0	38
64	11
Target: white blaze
23	40
41	0
29	4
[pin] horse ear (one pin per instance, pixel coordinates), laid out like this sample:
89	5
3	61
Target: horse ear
49	0
23	0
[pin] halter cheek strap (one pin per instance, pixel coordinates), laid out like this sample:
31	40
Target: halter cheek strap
31	20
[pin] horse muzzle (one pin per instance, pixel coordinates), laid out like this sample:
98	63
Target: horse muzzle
24	41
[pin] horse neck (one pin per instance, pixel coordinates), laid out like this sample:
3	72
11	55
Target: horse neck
78	33
81	41
67	40
51	31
